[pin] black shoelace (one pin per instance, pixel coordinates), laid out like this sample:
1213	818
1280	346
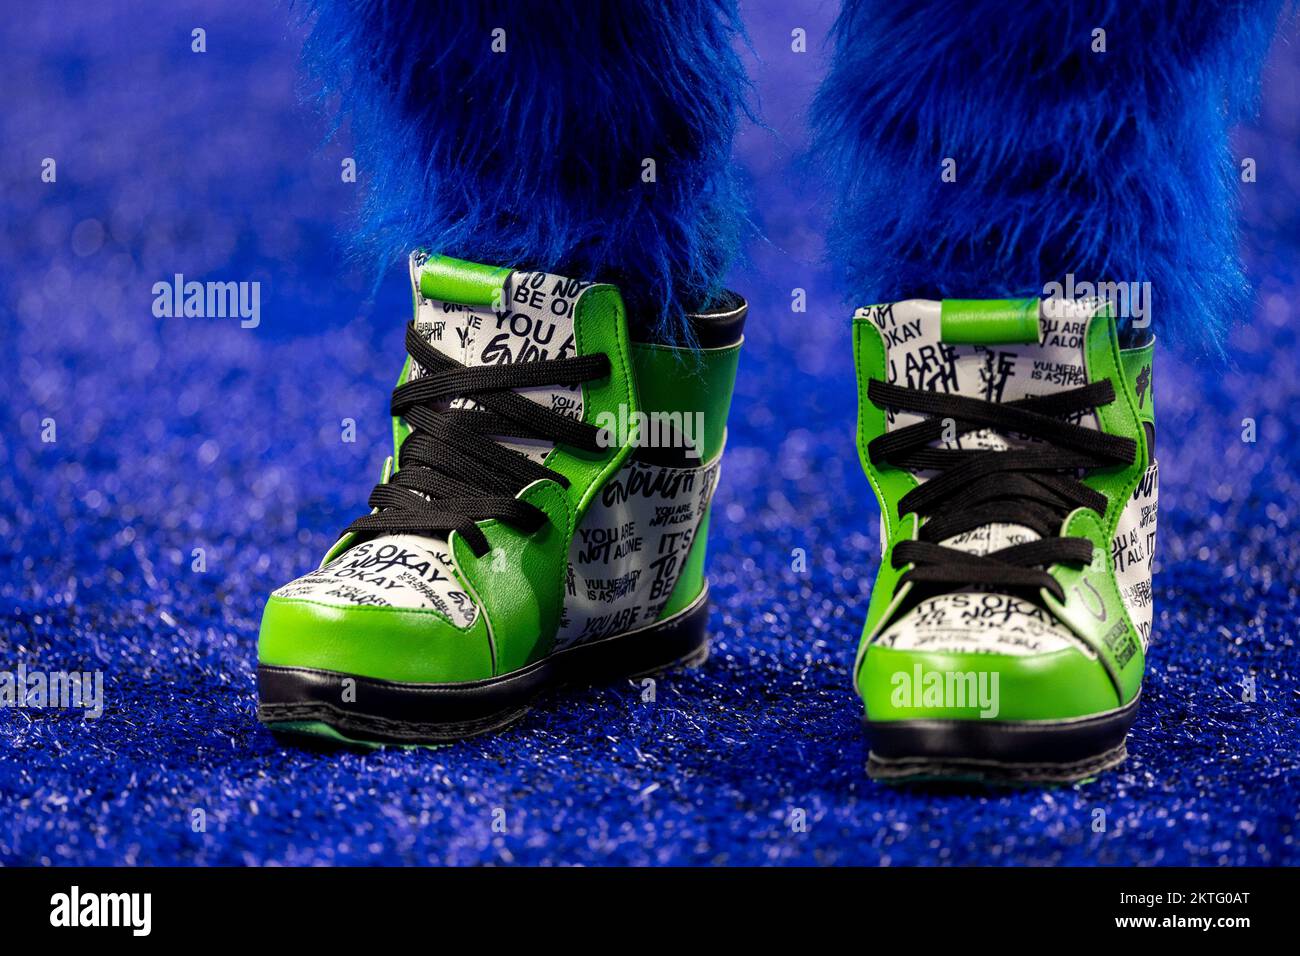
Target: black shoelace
452	472
1035	486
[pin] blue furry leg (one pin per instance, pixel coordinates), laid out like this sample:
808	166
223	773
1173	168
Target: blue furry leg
523	134
1112	166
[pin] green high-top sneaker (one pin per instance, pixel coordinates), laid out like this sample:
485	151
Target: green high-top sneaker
1011	448
542	520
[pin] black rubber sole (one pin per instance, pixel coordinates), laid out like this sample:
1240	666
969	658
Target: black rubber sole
373	711
992	751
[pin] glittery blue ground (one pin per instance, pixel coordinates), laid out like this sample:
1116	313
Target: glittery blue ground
180	434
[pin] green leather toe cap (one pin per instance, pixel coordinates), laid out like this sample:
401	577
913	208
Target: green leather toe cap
916	685
399	644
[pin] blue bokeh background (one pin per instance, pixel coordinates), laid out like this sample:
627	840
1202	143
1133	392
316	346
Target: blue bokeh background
177	434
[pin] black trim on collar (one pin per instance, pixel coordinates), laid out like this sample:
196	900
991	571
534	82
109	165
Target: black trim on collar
719	327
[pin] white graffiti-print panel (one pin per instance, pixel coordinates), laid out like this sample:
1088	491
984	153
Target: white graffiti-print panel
974	622
1133	552
630	547
397	571
916	357
534	324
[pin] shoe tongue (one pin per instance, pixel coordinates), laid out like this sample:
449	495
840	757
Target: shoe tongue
996	351
481	316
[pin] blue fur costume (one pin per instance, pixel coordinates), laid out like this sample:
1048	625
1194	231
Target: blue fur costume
1111	166
535	156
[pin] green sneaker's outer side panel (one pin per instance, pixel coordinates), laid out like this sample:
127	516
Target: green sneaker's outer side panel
519	584
598	326
1138	365
677	380
889	484
680	381
1120	417
1094	610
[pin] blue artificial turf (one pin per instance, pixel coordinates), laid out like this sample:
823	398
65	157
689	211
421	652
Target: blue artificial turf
180	434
